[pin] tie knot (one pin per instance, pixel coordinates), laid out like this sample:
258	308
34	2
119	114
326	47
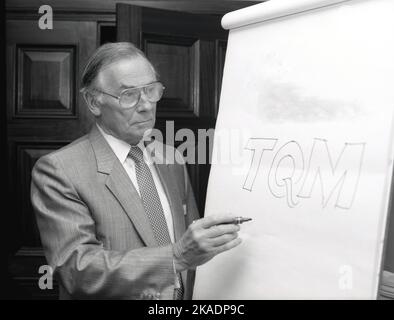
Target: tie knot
136	154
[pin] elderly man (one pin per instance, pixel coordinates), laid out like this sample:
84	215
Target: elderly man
115	223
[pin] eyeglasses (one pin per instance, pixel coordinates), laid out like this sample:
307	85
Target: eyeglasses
130	97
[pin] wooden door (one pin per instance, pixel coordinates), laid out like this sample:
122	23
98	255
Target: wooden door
188	50
44	112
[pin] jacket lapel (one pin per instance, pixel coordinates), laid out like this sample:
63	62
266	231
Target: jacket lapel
121	187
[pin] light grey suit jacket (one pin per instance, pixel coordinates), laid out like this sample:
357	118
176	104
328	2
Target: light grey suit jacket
94	230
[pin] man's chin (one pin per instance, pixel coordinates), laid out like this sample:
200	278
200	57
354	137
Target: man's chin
144	136
147	134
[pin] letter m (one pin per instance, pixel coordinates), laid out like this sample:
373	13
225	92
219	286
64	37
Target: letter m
340	177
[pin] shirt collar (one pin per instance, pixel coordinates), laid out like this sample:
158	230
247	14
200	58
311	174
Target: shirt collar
119	147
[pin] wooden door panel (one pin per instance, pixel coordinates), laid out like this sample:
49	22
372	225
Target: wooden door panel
43	73
177	60
45	83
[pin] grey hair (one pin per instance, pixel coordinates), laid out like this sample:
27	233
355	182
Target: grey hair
107	54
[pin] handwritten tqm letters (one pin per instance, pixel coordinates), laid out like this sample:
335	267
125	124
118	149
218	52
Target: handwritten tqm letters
293	176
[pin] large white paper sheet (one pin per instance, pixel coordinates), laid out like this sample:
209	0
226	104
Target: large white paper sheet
305	117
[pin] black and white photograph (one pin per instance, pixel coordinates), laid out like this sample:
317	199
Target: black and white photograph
208	151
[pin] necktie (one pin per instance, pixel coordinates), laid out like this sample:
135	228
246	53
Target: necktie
152	205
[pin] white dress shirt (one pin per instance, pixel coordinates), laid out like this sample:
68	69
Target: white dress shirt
121	150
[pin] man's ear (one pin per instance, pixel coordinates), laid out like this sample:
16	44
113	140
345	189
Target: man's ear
92	103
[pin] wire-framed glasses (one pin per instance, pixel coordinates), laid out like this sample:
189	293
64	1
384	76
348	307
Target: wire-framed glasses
130	97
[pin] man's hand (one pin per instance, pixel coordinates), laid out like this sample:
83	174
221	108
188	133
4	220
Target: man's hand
204	239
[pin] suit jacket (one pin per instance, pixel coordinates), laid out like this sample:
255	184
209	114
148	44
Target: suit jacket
94	230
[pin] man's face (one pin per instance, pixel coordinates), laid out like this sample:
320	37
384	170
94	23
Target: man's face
126	124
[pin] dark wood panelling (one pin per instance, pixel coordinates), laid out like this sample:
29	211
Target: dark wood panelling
71	36
44	112
221	47
177	61
207	79
128	20
45	82
202	26
101	6
106	32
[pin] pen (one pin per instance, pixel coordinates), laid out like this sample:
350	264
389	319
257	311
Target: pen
239	220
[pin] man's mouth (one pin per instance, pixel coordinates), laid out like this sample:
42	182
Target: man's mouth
145	121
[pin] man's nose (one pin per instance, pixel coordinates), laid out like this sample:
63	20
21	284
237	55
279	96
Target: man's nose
144	104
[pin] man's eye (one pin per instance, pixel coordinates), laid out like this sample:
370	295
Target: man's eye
130	93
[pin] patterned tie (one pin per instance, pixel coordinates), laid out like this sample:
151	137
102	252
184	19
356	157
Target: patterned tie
152	205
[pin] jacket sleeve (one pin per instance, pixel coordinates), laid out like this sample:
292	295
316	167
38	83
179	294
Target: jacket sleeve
80	261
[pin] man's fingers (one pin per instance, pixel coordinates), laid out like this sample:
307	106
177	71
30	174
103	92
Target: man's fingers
229	245
223	239
213	220
218	230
